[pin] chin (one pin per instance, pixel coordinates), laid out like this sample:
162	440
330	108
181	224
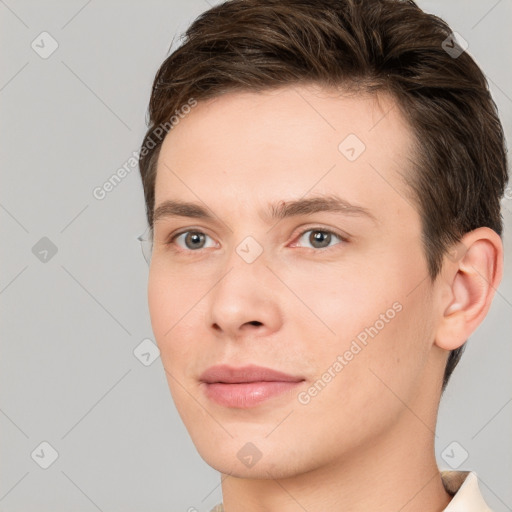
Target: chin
262	470
243	459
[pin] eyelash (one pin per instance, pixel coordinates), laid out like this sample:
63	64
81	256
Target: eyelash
172	239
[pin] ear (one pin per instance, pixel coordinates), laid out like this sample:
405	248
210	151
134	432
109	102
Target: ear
470	275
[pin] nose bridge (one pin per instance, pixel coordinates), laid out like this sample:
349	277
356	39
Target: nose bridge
241	298
244	272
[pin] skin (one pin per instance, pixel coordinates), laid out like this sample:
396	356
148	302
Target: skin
366	440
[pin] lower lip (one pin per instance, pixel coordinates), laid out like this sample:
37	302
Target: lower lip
247	394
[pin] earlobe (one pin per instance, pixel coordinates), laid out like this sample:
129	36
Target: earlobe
471	273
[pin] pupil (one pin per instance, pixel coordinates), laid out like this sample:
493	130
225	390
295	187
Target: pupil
195	239
321	237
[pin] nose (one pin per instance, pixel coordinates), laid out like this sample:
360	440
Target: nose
245	302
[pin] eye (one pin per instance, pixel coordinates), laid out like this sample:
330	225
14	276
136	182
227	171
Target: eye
192	240
320	238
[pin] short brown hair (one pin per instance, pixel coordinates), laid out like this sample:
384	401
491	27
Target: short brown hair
370	45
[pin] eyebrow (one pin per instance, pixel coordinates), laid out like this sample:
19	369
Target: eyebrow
276	211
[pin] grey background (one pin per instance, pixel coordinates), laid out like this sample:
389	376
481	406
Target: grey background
70	325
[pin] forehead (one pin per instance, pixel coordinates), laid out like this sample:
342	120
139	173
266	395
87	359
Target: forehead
286	143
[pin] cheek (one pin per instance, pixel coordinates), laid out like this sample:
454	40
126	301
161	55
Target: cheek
340	302
160	303
360	395
169	305
368	314
171	296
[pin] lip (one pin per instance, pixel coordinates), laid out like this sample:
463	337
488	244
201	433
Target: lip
246	386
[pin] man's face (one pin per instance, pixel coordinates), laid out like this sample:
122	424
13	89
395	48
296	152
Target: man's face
338	299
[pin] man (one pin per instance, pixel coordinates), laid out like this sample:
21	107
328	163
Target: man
322	184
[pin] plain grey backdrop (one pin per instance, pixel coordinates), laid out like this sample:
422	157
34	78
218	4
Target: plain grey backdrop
86	417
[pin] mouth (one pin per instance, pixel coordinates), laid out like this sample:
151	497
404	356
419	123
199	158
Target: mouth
246	386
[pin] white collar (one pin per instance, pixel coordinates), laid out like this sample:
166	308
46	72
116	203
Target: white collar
463	486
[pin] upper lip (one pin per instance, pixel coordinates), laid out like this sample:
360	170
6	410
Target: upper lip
251	373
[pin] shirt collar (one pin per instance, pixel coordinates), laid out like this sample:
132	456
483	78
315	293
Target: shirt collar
463	486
